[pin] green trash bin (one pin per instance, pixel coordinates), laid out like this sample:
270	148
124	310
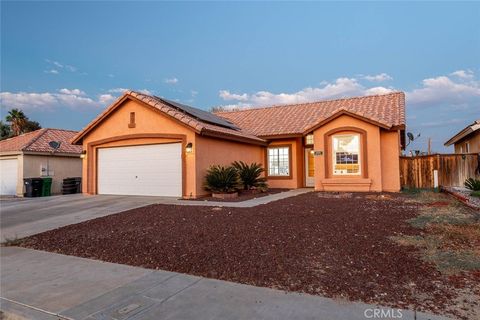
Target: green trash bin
47	187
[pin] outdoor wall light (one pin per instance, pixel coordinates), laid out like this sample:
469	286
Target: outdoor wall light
189	148
83	154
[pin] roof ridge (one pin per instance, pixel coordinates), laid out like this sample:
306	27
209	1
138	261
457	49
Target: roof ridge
311	102
32	141
60	129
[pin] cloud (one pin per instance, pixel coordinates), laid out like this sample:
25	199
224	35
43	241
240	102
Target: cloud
226	95
378	78
463	74
117	90
341	87
442	123
443	89
171	81
122	90
72	91
106	99
72	98
56	66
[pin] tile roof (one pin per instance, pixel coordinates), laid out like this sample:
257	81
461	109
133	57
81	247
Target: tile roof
37	141
468	130
387	110
197	124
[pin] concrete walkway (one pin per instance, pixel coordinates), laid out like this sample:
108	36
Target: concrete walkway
27	216
41	285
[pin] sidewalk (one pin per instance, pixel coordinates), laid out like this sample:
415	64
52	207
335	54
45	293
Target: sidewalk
42	285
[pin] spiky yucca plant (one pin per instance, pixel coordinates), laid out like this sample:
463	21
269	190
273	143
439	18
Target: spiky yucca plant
221	179
250	175
472	184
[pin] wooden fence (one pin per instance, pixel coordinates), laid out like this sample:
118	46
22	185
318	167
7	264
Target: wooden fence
453	169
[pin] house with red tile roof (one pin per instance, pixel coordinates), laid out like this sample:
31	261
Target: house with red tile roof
30	155
147	145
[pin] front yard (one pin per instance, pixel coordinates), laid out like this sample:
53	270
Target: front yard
403	250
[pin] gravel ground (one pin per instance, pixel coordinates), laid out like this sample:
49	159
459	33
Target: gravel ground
335	245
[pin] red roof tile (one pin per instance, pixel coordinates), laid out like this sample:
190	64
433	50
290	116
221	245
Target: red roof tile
387	110
37	141
201	127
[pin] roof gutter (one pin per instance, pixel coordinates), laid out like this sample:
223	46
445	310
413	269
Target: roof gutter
226	136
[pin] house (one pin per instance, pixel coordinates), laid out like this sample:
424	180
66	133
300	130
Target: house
467	140
29	156
146	145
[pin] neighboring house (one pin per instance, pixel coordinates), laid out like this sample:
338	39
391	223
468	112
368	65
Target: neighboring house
29	156
146	145
467	140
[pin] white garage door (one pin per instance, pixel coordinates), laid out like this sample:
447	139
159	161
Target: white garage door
151	170
8	176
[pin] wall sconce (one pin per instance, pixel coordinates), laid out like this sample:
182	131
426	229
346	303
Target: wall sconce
83	154
189	148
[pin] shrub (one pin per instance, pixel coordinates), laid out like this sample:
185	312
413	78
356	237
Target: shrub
250	175
472	184
221	179
475	194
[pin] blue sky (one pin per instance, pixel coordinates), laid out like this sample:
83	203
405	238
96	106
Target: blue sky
63	62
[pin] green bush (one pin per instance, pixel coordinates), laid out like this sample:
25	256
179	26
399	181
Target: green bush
221	179
472	184
250	175
475	194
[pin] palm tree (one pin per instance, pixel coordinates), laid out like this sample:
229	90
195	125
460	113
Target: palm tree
17	121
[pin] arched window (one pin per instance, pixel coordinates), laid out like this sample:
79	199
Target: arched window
346	158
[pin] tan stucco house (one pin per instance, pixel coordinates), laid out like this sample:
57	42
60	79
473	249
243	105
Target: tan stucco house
30	156
467	140
146	145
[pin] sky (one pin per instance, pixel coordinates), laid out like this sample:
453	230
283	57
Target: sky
62	63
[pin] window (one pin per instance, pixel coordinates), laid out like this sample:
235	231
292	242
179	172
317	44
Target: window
309	139
279	161
467	147
346	154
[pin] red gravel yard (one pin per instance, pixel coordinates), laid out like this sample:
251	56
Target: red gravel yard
325	244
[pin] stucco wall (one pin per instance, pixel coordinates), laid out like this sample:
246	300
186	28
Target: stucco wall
296	179
62	167
390	151
374	174
150	125
208	151
473	140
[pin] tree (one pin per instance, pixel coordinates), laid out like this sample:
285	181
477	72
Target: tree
17	120
31	126
4	130
19	123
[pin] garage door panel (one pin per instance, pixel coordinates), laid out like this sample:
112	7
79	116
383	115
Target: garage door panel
141	170
8	176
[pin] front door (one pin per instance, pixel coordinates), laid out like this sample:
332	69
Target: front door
309	168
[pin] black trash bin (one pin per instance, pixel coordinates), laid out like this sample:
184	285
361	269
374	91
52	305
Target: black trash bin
33	187
72	185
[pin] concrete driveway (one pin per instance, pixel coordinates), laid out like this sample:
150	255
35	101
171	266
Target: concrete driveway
23	217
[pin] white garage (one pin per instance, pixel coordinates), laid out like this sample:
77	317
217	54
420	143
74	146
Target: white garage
150	170
8	176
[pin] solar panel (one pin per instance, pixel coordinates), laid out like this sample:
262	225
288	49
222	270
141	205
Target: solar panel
200	114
